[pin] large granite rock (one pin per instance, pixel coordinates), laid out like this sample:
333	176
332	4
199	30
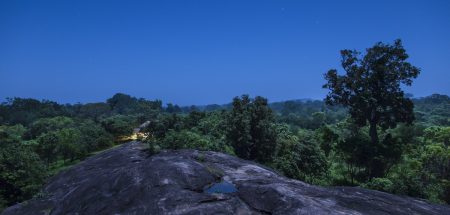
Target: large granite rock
125	180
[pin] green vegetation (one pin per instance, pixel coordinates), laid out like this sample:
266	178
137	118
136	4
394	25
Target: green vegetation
40	138
366	133
250	129
371	91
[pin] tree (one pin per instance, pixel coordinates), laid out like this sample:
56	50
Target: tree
119	125
194	118
213	124
170	108
371	87
438	134
47	147
93	137
318	119
11	134
94	110
250	129
185	139
327	137
69	143
44	125
157	128
21	172
121	103
300	157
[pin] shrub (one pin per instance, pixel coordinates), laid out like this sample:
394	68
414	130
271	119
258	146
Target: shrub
381	184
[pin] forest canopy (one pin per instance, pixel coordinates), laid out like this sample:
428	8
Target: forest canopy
303	139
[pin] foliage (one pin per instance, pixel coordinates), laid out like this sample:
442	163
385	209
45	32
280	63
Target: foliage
94	136
300	157
160	125
47	147
186	139
371	87
360	157
327	139
119	125
433	110
21	172
303	139
94	111
197	130
44	125
11	134
371	90
127	105
250	129
381	184
24	111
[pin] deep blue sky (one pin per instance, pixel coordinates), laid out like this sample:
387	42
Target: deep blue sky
202	52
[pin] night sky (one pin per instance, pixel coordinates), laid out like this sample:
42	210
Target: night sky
204	52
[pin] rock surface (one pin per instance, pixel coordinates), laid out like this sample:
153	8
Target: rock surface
125	180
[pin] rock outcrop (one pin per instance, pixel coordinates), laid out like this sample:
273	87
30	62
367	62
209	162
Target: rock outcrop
125	180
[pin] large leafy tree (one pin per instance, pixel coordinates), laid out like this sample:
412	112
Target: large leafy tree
300	156
122	103
250	129
21	170
119	125
47	147
44	125
371	87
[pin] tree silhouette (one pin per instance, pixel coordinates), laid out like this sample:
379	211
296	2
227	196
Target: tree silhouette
371	87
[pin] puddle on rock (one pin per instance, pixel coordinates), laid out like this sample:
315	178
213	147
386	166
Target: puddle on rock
221	187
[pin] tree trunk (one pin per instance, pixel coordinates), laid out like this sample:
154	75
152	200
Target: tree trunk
374	167
373	133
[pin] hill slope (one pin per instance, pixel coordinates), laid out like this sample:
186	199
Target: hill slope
125	180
